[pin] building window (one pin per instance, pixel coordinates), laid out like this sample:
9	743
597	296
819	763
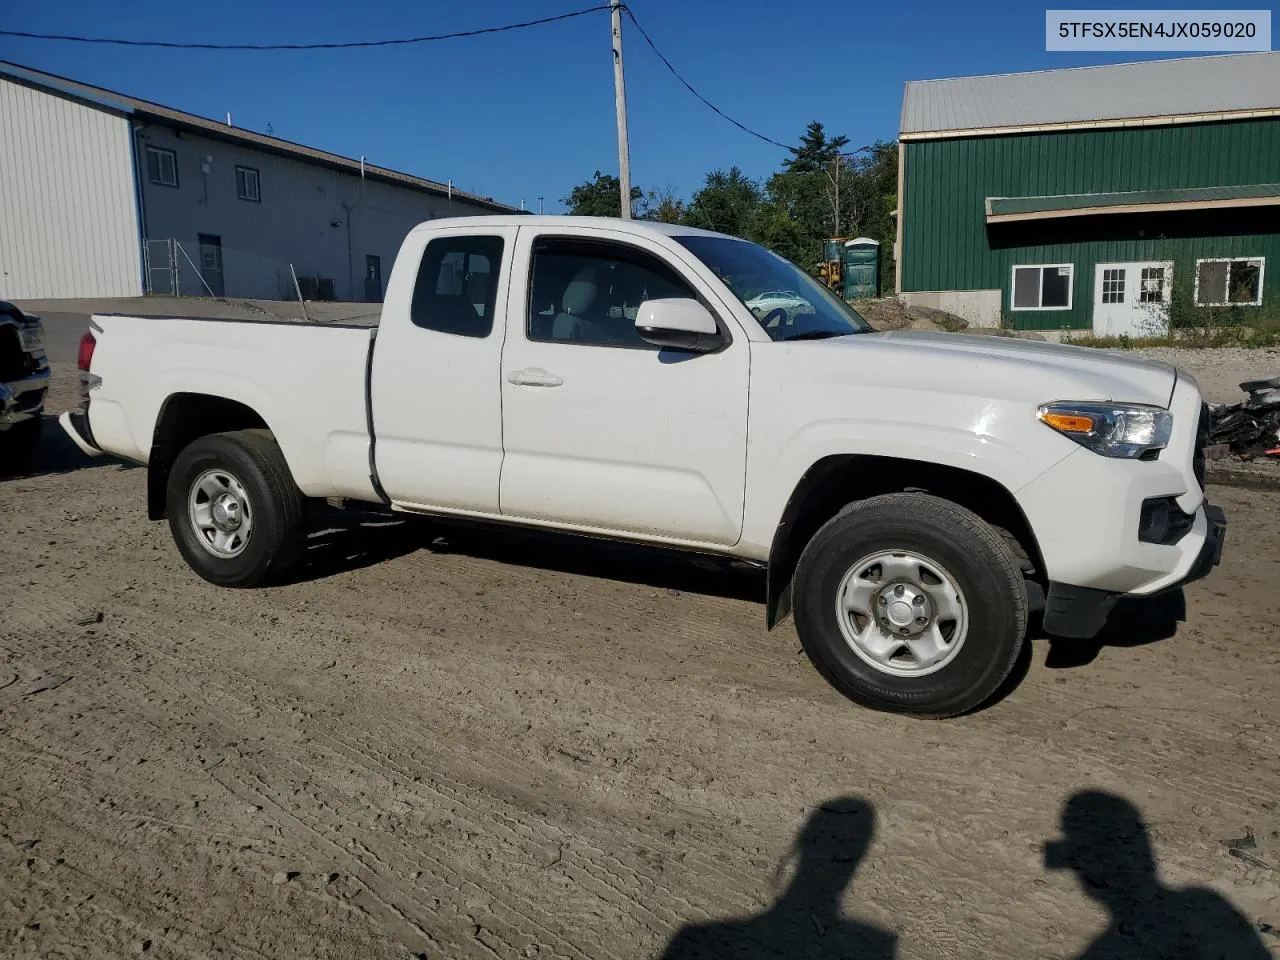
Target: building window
1043	287
457	285
1113	286
247	184
1229	282
1152	285
162	166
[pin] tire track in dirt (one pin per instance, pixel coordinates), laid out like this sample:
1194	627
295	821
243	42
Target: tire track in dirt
380	725
261	791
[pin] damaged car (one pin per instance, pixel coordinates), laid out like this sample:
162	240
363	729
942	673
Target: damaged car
24	381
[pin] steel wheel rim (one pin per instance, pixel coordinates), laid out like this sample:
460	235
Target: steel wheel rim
220	513
902	613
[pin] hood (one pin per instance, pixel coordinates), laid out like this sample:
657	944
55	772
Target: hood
1050	371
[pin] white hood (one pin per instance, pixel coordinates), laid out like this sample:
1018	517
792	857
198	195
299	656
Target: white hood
1007	366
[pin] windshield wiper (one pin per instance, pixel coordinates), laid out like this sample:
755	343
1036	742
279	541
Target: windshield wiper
816	335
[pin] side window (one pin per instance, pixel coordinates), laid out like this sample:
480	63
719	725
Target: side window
457	286
590	292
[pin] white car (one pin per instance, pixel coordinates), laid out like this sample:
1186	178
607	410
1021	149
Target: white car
912	496
775	307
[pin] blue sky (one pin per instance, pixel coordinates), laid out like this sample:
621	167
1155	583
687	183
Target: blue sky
530	113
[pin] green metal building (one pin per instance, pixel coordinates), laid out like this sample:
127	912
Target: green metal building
1079	199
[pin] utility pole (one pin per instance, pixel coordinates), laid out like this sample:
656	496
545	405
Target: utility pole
620	104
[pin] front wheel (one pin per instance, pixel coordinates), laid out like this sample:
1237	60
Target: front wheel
234	510
911	604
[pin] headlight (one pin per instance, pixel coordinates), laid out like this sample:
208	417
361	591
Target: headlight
1112	429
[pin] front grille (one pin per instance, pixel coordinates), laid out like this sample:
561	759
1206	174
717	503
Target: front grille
13	361
1202	441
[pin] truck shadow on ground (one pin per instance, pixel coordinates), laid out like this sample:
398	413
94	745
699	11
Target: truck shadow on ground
1134	622
343	541
56	455
1104	843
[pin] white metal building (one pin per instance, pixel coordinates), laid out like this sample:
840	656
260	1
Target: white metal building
105	195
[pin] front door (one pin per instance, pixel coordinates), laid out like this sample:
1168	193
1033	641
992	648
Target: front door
211	263
373	278
602	431
1132	299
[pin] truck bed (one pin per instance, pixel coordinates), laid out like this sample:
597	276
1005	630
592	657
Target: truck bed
308	381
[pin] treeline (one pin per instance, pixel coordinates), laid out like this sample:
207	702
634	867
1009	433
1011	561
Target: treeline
822	190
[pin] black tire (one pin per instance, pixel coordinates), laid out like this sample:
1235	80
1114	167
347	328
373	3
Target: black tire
20	444
277	533
975	556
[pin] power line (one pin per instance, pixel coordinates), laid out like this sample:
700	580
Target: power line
346	45
688	86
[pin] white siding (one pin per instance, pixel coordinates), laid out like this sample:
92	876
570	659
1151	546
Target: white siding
68	216
293	223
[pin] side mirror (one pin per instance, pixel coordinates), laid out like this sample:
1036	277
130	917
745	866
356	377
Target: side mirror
679	323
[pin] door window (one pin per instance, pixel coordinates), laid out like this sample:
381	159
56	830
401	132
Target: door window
1113	286
1152	285
590	292
457	286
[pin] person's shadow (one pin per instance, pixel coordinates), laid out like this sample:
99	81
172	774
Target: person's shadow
1105	843
806	920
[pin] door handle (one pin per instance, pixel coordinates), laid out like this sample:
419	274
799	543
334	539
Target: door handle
534	377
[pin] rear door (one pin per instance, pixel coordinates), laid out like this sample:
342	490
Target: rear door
603	431
437	404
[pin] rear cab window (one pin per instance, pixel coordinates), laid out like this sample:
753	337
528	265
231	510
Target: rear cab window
457	285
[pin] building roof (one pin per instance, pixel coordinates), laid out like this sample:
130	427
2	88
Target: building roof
1008	209
1155	91
132	106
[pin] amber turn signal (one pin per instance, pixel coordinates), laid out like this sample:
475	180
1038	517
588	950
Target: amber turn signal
1068	422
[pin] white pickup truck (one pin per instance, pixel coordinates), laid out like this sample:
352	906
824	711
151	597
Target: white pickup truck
913	496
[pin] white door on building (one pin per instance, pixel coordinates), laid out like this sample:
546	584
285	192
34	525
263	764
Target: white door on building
1132	298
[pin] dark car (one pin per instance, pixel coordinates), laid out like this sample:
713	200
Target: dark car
24	381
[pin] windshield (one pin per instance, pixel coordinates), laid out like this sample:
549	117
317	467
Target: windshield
788	303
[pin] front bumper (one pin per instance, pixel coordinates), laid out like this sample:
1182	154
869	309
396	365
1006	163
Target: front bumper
1080	612
23	399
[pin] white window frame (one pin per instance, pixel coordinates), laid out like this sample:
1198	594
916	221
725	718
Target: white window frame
257	184
1262	276
162	151
1071	284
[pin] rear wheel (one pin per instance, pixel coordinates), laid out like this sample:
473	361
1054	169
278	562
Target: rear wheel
234	510
911	604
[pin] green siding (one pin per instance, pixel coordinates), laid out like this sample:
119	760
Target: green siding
946	244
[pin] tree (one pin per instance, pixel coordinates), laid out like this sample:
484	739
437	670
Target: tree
727	203
815	152
820	191
664	206
599	197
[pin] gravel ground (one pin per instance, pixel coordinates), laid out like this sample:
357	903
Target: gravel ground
1218	370
489	745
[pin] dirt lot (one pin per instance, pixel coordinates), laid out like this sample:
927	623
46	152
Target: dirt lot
496	746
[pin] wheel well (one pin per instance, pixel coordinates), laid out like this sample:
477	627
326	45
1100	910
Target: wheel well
183	418
833	482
